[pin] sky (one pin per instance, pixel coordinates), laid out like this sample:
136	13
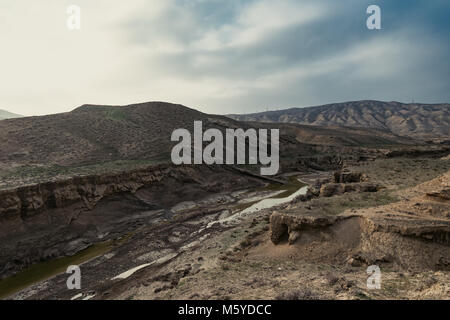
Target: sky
221	56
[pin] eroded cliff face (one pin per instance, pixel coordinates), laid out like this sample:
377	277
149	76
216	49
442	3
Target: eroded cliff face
23	203
412	234
60	218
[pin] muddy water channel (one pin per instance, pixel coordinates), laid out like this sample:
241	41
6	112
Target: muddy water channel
272	202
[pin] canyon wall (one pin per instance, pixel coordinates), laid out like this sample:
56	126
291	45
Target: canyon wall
60	218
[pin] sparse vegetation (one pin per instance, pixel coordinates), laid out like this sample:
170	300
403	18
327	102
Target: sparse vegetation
300	294
338	204
403	172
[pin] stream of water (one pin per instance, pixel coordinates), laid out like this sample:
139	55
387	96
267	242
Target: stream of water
42	271
272	202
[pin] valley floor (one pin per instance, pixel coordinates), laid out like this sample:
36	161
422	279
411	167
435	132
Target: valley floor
213	251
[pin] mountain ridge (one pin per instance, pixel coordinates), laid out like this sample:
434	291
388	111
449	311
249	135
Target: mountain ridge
416	120
4	114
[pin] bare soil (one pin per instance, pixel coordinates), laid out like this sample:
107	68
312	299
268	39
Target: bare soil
199	259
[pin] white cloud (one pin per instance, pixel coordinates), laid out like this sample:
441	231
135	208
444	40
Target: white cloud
220	56
259	19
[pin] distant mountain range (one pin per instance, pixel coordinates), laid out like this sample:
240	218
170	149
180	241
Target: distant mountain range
425	121
8	115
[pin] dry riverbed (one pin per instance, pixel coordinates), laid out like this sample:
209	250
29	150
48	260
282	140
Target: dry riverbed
161	244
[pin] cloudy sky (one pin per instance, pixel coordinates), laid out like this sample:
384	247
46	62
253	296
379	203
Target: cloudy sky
221	56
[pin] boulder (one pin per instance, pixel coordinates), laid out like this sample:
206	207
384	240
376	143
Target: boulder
332	189
348	177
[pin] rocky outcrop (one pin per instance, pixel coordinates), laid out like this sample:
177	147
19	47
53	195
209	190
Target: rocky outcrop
289	227
404	233
332	189
363	240
348	177
311	193
434	231
443	195
345	181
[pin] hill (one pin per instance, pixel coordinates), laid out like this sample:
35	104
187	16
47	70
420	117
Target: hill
98	139
8	115
424	121
94	133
